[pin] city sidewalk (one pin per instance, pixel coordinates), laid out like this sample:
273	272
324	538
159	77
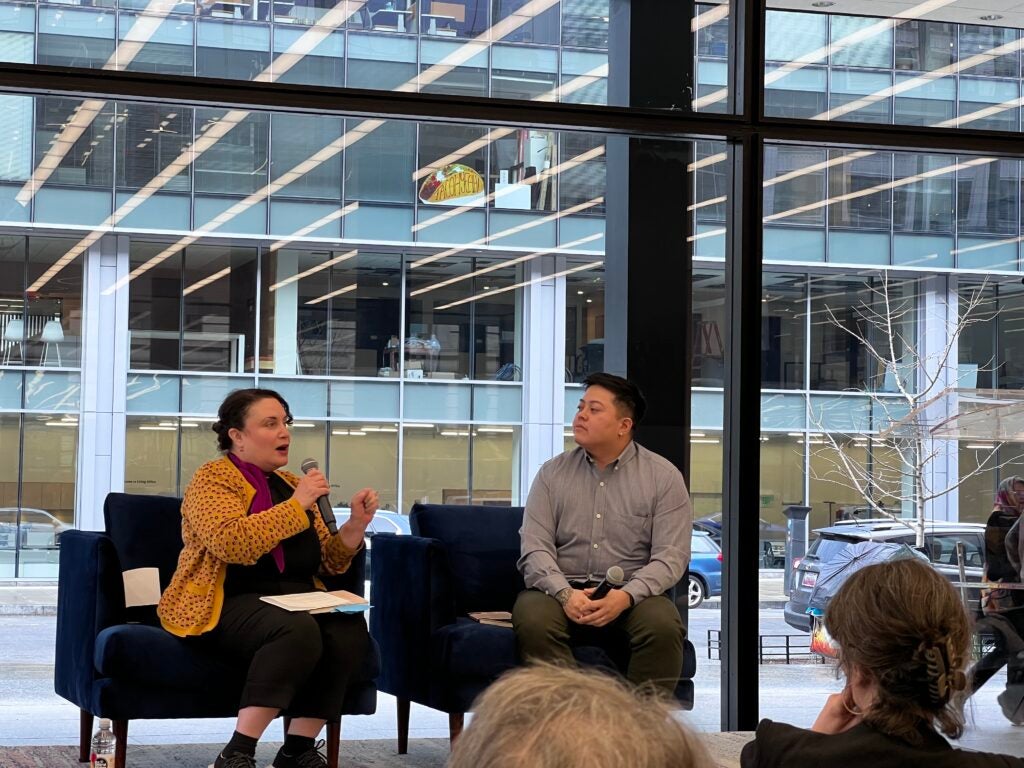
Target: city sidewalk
28	598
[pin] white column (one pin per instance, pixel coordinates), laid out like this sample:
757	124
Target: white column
286	314
938	316
544	369
104	375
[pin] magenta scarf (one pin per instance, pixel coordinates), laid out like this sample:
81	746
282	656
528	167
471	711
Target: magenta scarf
262	501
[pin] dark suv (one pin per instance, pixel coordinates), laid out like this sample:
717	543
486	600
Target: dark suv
940	540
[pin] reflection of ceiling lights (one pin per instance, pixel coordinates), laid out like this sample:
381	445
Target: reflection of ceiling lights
512	287
332	216
198	284
303	424
506	263
418	426
495	430
312	37
314	270
510	231
332	294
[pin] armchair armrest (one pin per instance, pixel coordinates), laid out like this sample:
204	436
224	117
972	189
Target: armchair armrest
412	597
90	598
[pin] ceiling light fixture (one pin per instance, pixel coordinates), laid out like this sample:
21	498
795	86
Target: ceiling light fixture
991	17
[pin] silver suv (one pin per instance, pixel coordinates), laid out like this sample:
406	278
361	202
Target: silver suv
940	542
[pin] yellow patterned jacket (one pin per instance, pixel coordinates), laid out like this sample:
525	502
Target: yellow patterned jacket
217	531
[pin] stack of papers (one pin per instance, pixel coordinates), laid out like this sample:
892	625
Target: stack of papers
341	601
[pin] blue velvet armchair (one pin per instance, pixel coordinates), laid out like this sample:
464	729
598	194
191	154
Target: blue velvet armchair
117	662
460	559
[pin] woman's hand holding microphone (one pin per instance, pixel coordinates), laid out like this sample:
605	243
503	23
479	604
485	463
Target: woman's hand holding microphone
363	505
311	487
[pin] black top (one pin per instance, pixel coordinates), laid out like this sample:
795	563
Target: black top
997	563
782	745
301	559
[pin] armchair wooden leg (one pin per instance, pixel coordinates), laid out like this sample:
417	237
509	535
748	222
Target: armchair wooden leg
403	726
121	734
455	720
84	735
333	743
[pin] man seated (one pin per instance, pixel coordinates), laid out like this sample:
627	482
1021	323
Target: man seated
609	502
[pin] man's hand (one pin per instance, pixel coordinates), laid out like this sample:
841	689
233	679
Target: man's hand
607	609
577	606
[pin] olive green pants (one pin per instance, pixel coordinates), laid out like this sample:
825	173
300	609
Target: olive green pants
655	632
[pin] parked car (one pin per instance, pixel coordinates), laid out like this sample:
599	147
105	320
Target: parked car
772	537
705	569
940	542
31	528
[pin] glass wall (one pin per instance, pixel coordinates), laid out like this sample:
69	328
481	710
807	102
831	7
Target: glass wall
552	50
41	322
918	68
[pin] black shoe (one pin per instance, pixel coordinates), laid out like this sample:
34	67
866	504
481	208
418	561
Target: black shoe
311	758
234	760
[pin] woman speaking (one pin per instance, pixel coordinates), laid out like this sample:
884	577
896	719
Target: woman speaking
249	531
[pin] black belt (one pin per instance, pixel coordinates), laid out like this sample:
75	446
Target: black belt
583	584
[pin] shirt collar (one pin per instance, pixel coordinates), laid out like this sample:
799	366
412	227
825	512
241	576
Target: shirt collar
628	453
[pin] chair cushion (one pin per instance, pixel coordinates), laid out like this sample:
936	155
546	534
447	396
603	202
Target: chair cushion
468	648
483	547
152	656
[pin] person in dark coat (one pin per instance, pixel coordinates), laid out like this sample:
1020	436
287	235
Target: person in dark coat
1003	609
904	643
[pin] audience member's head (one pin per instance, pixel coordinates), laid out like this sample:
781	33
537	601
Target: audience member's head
1008	493
551	717
903	634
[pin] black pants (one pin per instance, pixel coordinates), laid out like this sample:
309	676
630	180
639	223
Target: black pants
298	662
1007	633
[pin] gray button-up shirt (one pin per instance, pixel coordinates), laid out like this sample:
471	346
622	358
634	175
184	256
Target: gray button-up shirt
579	521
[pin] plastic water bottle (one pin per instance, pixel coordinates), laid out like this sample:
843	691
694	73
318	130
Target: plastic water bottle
103	742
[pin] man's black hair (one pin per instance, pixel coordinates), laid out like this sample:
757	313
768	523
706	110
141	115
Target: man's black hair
625	394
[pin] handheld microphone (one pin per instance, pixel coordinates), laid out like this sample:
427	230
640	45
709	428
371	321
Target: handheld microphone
613	578
323	503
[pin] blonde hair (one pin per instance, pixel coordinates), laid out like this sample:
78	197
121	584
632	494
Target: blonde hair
902	625
543	716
